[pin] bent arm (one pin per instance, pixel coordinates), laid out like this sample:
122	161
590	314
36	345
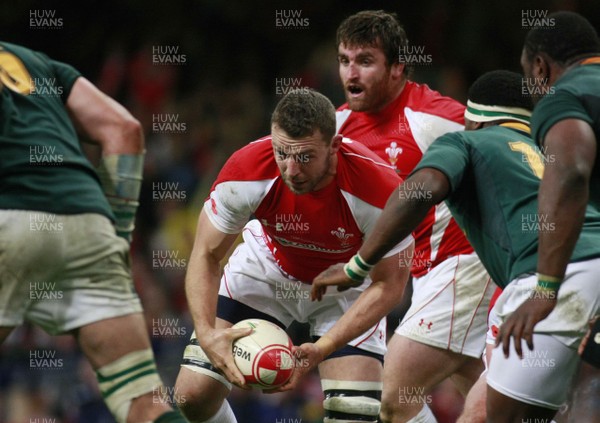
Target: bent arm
389	278
405	209
104	121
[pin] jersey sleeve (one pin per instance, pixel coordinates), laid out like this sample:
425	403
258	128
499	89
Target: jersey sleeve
426	127
65	74
554	108
234	197
449	155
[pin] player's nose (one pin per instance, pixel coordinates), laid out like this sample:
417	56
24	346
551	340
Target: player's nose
292	167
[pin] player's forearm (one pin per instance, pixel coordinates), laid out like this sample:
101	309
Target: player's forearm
372	305
405	209
390	276
202	289
563	197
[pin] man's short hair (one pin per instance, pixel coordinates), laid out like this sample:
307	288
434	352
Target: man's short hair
300	113
570	37
374	28
500	88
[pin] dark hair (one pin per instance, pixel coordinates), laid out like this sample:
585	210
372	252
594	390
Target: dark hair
500	88
374	28
568	36
301	112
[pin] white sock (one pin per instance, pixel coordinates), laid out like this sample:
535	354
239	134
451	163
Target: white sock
424	416
224	415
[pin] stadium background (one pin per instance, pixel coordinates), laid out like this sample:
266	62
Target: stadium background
229	63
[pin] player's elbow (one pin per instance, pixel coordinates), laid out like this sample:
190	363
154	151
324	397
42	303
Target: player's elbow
131	134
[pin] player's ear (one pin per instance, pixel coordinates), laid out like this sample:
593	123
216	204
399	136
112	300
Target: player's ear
396	70
540	67
336	143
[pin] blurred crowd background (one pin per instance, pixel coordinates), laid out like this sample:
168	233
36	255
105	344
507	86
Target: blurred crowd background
203	77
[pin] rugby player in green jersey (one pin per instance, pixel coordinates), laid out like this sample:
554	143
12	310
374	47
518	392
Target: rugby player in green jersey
561	62
64	228
489	177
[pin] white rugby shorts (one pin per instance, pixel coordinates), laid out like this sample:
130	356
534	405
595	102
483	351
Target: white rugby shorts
253	278
542	377
62	272
449	306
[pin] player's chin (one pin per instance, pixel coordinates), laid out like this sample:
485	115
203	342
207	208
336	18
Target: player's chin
357	104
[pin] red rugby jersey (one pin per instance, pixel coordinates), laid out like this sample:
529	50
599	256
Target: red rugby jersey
306	233
400	134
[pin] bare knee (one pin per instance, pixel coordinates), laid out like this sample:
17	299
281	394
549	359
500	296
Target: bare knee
199	397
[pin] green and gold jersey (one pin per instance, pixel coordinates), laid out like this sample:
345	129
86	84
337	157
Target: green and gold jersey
42	166
494	175
576	95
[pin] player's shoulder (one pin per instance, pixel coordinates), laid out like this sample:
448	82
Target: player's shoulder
421	98
364	174
254	161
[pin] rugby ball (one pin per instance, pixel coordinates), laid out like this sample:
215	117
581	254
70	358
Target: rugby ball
265	356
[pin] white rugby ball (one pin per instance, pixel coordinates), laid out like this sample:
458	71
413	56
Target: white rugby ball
265	356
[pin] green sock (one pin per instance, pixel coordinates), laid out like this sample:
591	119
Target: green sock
171	417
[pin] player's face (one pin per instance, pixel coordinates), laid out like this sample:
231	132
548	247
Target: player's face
306	164
369	84
537	84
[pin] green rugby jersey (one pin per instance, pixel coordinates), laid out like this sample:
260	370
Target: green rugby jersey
42	166
576	95
494	175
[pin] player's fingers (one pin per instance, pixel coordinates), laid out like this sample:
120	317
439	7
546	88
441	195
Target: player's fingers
239	333
528	334
232	373
317	292
517	334
504	337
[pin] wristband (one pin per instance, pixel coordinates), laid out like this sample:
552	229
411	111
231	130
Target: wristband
548	283
357	269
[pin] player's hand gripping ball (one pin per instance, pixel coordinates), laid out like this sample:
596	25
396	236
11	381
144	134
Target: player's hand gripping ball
265	356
